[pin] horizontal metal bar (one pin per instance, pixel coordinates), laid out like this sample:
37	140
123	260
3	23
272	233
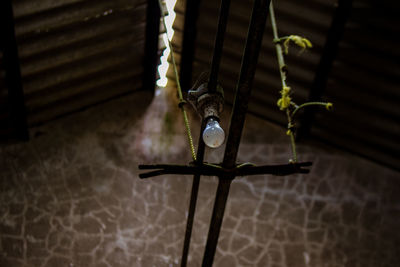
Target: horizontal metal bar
207	170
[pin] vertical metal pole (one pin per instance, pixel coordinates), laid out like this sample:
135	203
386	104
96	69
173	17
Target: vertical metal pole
221	198
240	106
219	44
188	43
329	52
193	199
151	56
212	85
12	71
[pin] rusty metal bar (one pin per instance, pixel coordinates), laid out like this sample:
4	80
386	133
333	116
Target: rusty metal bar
193	199
212	85
216	220
207	170
218	45
243	91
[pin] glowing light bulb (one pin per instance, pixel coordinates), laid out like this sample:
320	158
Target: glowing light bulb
213	134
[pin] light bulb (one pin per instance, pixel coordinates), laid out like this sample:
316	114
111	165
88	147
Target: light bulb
213	134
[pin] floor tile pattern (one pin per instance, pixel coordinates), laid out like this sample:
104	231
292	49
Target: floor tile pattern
72	197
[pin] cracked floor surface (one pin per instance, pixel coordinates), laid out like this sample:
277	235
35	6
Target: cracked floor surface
72	197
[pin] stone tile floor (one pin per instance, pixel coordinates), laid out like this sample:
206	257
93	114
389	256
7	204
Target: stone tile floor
72	197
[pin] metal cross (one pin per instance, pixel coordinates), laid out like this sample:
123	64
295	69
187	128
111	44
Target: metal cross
228	169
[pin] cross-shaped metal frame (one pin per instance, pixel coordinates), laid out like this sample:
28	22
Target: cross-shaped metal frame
228	169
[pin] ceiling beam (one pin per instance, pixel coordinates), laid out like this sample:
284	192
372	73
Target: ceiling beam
188	43
151	55
328	56
13	80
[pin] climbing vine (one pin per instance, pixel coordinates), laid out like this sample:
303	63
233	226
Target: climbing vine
285	102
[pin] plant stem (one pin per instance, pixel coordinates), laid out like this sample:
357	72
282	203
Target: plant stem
282	71
306	105
291	134
279	52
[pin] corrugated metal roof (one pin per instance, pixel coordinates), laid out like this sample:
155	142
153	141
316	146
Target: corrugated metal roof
76	53
362	84
6	129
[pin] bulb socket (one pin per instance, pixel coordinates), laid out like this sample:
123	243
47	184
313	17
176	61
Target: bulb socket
207	104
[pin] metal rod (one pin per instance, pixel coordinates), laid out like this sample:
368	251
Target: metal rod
216	221
278	170
212	85
246	77
329	52
153	15
193	199
218	45
207	170
243	91
188	43
13	80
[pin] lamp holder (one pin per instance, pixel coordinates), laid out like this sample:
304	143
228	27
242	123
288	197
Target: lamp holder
207	104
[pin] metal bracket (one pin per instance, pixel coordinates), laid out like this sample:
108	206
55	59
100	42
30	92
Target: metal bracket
205	103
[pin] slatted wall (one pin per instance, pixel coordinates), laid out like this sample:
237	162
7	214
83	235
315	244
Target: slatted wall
77	53
363	83
6	128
